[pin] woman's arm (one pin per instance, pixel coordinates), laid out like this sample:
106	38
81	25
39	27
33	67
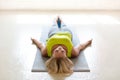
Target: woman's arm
77	49
40	46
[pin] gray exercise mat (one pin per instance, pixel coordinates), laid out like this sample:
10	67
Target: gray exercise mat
80	63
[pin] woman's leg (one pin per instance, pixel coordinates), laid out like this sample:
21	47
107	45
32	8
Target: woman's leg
54	29
58	26
58	22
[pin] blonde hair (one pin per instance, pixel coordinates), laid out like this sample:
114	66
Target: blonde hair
61	65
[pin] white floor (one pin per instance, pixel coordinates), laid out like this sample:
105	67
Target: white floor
17	53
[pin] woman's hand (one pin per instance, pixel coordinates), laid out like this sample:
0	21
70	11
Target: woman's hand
33	40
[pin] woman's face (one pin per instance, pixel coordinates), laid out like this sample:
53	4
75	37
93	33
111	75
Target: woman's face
59	52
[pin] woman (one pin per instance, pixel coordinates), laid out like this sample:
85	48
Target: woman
59	48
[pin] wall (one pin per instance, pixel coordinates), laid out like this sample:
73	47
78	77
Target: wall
61	4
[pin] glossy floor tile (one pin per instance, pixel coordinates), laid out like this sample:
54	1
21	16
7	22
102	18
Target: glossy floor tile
17	53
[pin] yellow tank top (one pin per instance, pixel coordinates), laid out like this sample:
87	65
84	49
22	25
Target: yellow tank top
63	38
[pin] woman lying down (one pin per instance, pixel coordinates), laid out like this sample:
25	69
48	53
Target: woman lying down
59	48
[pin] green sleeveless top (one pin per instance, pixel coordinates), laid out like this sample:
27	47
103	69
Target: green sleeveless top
63	38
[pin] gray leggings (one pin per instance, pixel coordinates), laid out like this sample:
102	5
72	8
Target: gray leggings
55	29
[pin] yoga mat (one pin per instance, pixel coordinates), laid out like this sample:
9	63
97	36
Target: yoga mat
80	63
